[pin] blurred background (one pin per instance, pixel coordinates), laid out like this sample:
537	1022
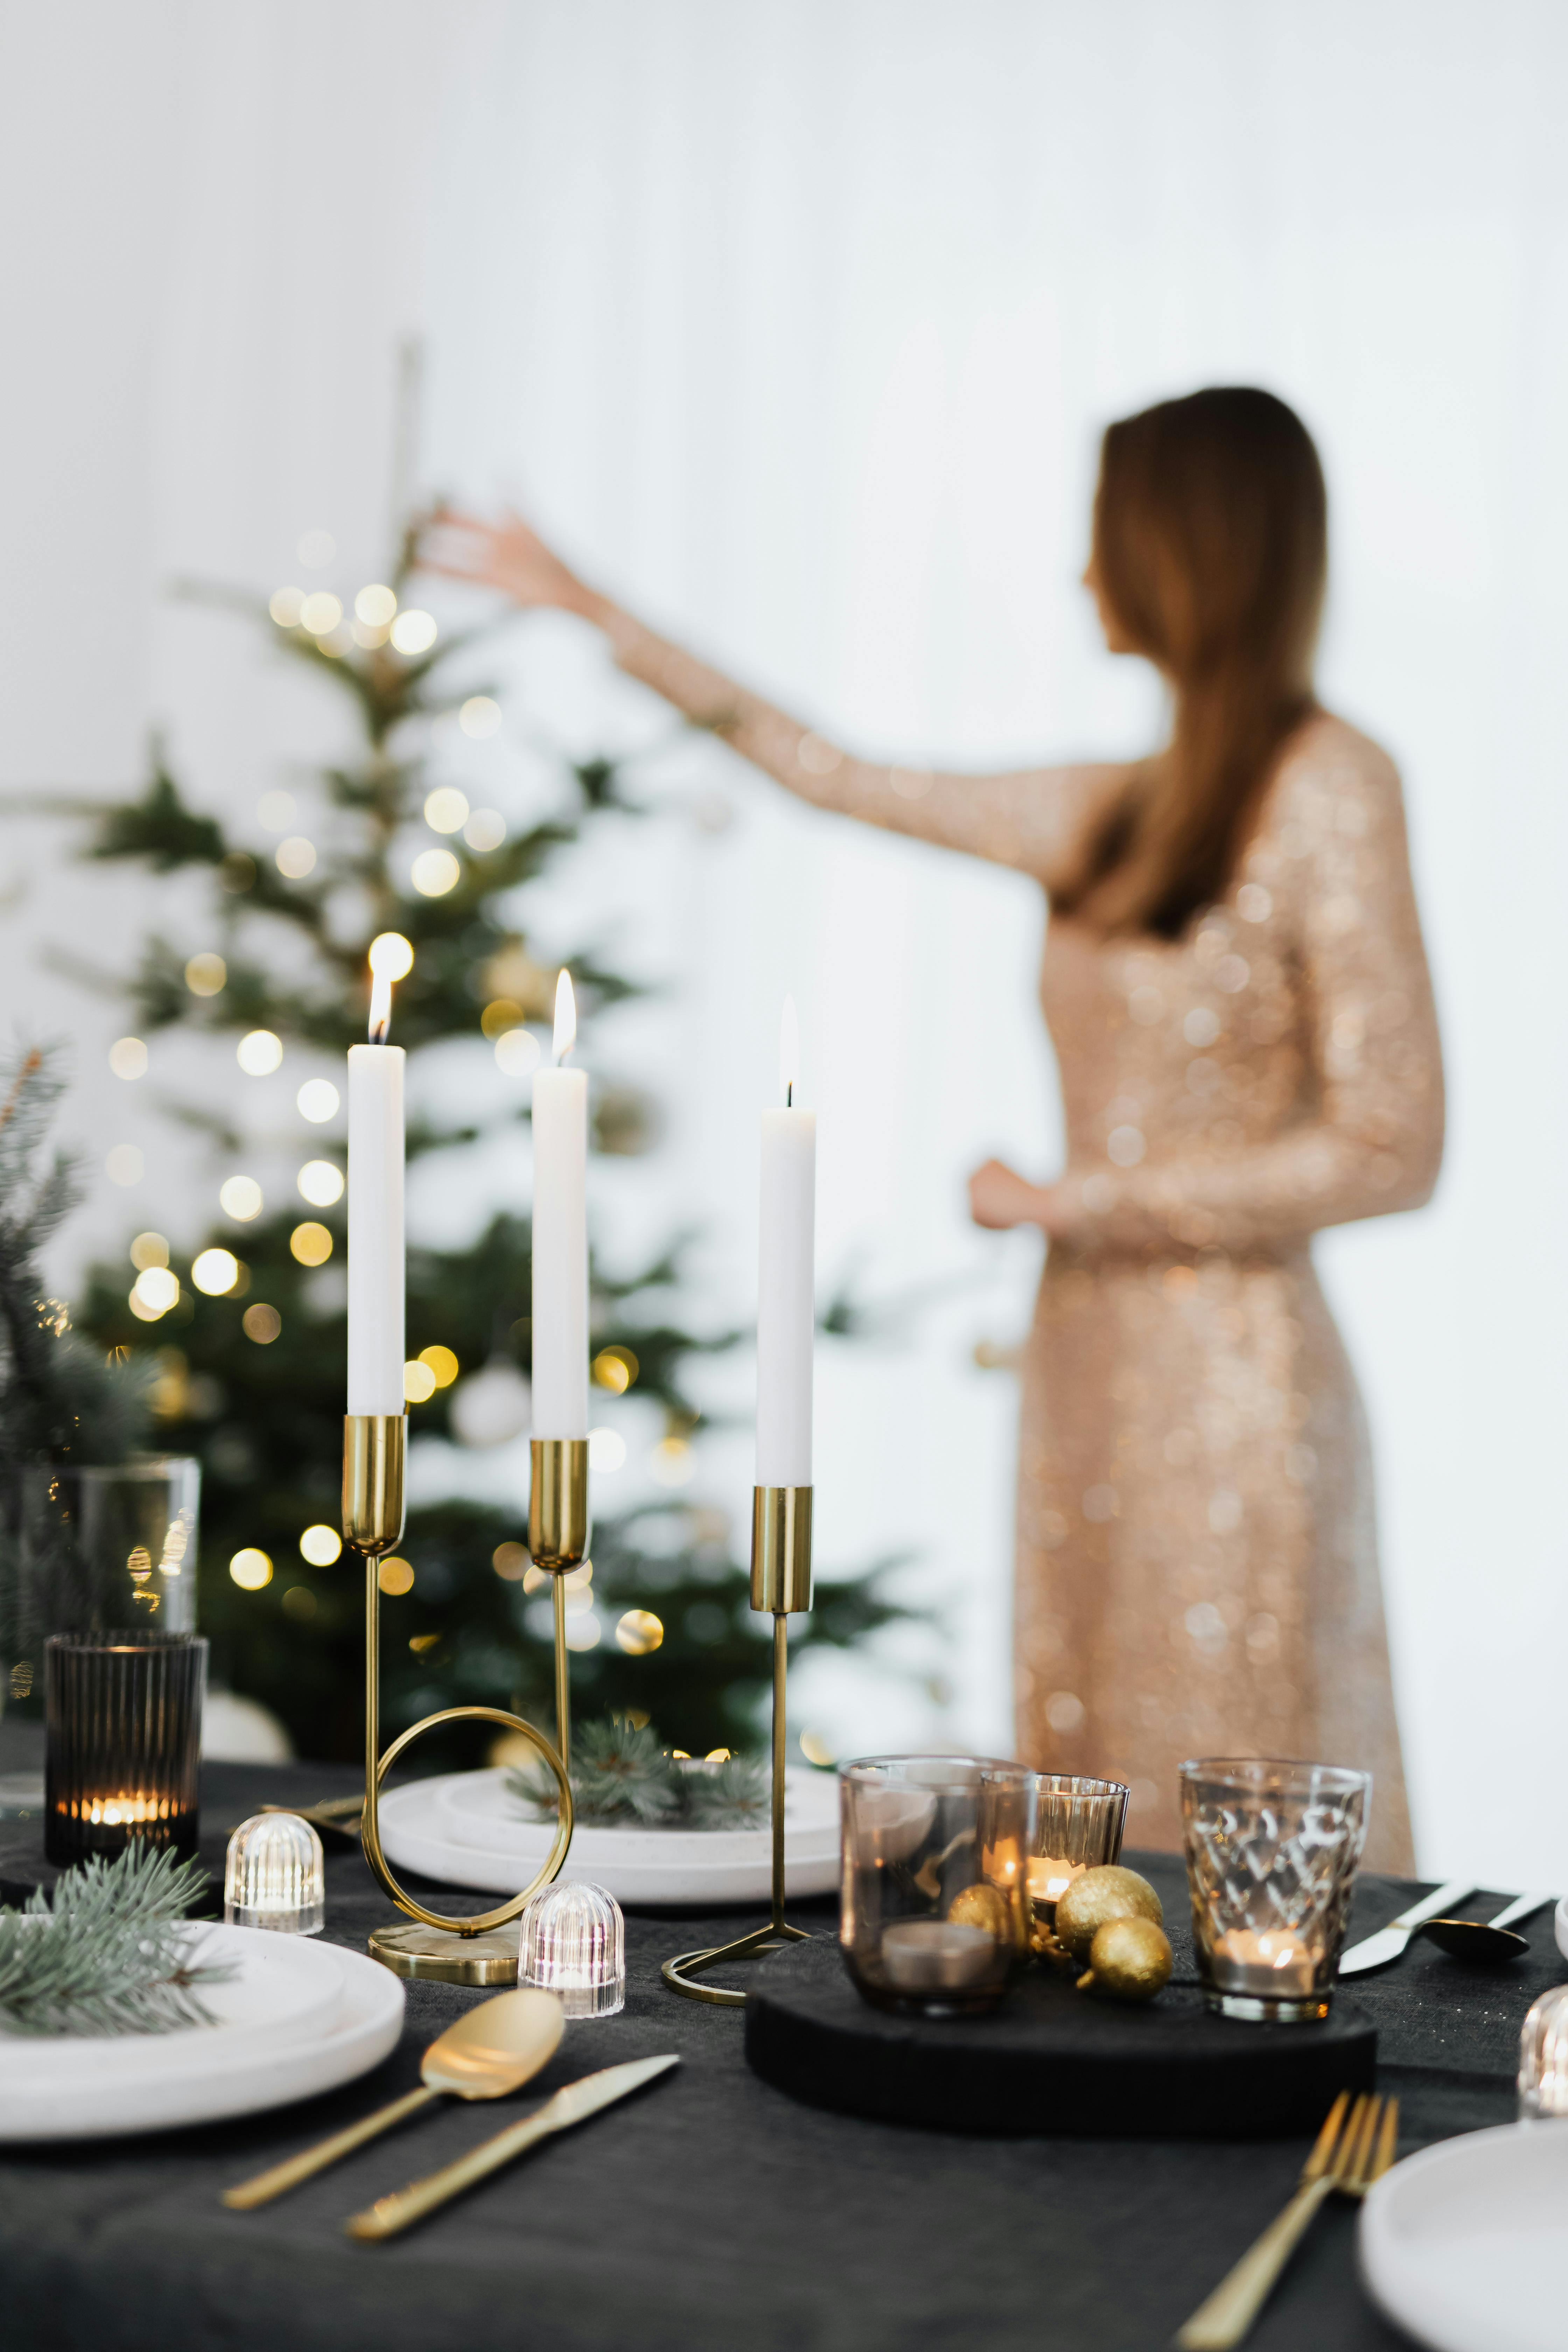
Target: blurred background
796	324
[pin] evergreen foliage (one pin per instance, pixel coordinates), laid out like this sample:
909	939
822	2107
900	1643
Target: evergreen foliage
265	1416
108	1952
621	1771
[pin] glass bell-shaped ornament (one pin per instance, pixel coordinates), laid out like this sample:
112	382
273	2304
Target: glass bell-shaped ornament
274	1876
572	1942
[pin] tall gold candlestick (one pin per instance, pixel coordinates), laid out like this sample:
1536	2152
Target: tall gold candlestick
458	1951
558	1542
781	1586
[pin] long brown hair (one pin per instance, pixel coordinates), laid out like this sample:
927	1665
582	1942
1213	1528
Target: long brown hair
1211	550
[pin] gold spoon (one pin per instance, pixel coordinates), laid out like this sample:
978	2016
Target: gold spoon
493	2049
1483	1940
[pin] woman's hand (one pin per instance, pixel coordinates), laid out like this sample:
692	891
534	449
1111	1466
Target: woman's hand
1000	1198
508	555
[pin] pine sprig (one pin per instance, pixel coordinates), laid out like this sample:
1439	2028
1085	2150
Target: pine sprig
109	1952
622	1771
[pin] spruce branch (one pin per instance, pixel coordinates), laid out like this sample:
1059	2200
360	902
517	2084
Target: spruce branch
109	1951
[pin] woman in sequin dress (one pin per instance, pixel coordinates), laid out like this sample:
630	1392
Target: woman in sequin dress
1234	984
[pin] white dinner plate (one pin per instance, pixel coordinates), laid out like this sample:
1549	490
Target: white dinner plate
464	1829
1466	2245
299	2017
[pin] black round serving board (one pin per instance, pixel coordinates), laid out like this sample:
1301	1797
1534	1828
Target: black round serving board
1050	2060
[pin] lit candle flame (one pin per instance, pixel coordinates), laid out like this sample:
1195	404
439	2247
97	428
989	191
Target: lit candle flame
789	1052
565	1016
380	1007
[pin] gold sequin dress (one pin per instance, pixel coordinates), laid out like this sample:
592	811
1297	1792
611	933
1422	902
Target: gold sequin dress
1196	1546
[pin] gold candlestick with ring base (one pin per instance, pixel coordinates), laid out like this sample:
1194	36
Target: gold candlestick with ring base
781	1584
558	1542
470	1951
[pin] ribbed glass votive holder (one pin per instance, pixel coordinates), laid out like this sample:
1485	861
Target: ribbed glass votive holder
573	1941
1077	1826
123	1737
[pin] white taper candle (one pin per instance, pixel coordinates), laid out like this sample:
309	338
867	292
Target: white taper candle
786	1302
561	1237
375	1218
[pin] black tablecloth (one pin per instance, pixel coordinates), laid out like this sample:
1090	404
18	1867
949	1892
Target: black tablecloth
714	2212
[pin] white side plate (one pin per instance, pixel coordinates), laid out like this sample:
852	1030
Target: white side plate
274	2046
463	1829
1466	2244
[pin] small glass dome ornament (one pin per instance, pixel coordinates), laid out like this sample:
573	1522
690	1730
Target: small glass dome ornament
274	1876
572	1942
1544	2057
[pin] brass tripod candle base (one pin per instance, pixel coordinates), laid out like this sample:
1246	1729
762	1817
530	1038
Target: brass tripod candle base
780	1585
455	1951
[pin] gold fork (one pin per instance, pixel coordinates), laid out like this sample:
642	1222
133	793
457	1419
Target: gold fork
1349	2154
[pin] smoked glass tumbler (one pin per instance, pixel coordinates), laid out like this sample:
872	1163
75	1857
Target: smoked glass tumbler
1272	1851
122	1744
934	1914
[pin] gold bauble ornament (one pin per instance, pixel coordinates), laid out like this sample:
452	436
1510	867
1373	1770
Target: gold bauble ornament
1097	1896
1128	1960
984	1906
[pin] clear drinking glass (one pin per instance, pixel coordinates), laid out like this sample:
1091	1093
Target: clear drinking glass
91	1548
1077	1826
933	1910
123	1741
1272	1850
1544	2057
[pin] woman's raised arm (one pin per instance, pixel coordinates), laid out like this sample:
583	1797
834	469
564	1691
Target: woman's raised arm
1033	818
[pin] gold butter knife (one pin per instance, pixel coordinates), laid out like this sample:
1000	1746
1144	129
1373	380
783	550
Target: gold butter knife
572	2106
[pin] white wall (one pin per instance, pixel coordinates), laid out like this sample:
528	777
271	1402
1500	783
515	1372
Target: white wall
798	323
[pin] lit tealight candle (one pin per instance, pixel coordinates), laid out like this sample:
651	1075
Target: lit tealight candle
1269	1963
1049	1877
936	1956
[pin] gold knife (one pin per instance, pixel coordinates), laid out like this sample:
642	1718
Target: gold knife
572	2106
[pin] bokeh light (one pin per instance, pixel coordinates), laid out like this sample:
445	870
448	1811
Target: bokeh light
215	1271
155	1290
479	717
239	1197
299	1602
284	606
413	632
321	613
149	1249
310	1244
446	809
259	1053
317	1100
816	1749
394	1575
124	1165
376	605
206	975
391	956
511	1562
517	1052
441	1363
435	872
638	1631
606	1449
250	1569
321	1182
418	1382
486	830
320	1545
295	857
583	1632
615	1369
672	1463
261	1324
502	1014
127	1058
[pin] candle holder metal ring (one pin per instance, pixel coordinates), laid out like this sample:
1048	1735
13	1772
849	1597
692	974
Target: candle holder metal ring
456	1951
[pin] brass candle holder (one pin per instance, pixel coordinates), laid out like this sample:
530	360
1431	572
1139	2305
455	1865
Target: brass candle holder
558	1542
467	1951
781	1584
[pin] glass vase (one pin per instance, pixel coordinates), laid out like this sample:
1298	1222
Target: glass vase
88	1548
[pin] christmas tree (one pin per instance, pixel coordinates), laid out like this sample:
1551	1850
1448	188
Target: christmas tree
249	1355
